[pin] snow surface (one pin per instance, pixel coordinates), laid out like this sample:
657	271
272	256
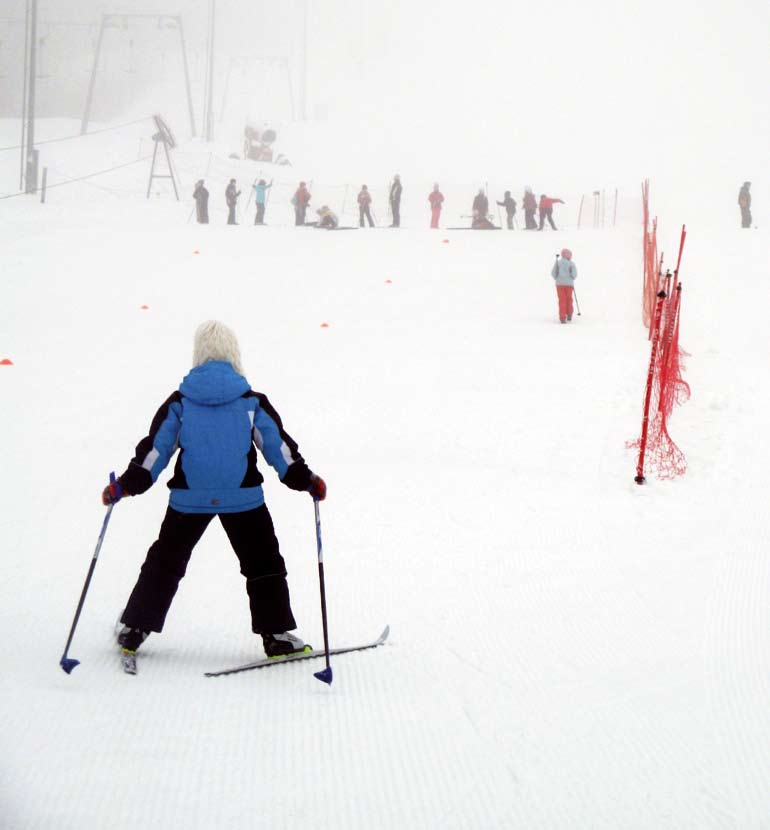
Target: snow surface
567	650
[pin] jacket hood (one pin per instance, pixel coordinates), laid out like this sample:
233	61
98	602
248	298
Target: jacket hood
212	383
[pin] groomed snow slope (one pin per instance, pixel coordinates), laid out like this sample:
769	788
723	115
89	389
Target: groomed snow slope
568	650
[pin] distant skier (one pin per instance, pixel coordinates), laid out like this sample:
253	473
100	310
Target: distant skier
509	203
395	201
300	200
564	273
364	206
436	199
217	422
744	200
260	197
480	210
529	203
546	210
201	196
327	218
231	197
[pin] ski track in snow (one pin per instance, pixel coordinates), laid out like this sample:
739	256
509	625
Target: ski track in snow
567	650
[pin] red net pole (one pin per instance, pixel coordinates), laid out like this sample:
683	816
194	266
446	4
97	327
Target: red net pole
639	478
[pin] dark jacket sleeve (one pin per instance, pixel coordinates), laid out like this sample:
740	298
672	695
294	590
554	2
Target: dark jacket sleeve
279	448
154	451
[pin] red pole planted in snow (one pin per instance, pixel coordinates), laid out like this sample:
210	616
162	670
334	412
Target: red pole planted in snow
639	478
681	248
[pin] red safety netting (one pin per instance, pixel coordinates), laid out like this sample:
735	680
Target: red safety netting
665	386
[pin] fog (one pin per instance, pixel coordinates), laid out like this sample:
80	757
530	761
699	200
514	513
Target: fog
563	90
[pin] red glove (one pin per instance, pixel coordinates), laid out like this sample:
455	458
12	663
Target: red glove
317	488
112	493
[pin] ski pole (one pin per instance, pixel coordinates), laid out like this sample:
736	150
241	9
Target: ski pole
69	663
577	304
324	675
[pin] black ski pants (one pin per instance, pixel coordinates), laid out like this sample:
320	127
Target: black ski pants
364	212
745	217
259	219
529	220
252	537
231	214
546	214
395	207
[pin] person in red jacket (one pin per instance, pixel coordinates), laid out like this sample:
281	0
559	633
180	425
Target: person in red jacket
546	210
300	200
436	199
364	205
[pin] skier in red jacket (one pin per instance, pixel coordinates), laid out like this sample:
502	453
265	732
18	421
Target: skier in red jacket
436	199
546	210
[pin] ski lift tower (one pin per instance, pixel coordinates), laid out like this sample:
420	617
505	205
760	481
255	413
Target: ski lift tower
115	21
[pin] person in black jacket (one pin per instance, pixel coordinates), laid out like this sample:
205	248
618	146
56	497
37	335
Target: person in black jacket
480	211
509	203
231	197
395	201
201	196
744	201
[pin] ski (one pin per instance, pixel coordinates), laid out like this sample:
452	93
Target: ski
305	655
128	661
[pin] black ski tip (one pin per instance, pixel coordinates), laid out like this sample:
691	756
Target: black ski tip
68	664
325	676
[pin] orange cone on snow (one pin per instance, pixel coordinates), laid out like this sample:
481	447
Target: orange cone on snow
144	307
388	282
6	362
324	325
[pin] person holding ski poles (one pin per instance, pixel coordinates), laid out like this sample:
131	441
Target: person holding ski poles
564	273
260	197
217	422
509	203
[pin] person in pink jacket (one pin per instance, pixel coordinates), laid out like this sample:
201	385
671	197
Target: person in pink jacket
436	199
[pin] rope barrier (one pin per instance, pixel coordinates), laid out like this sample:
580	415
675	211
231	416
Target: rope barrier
70	137
82	178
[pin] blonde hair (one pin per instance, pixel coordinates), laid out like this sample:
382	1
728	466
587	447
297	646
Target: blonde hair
215	341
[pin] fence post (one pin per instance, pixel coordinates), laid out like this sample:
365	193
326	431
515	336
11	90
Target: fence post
42	187
639	478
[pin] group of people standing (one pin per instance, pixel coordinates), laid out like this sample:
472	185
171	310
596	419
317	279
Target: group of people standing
480	219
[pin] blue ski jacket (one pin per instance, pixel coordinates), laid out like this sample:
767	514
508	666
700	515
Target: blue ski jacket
260	191
217	422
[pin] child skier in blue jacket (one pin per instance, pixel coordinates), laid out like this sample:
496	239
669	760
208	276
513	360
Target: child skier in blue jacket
217	422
